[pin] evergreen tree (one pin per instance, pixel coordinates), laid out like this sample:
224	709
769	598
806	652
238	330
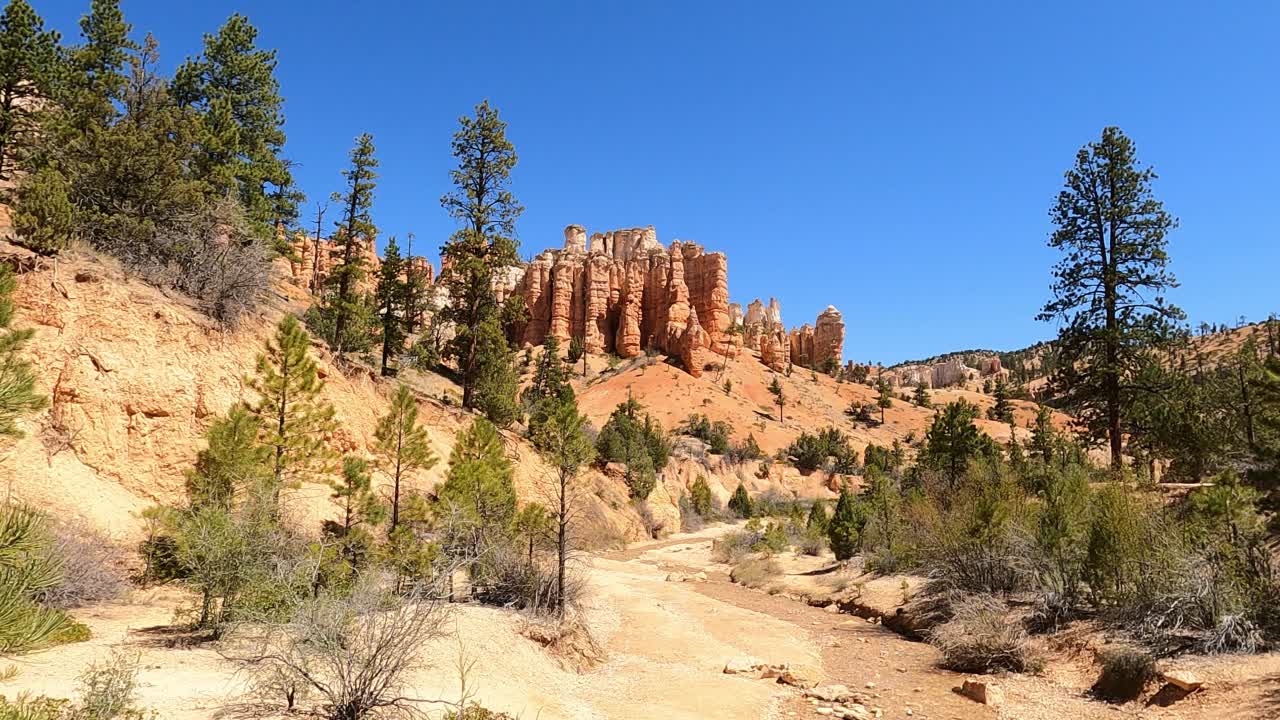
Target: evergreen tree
921	395
415	285
478	494
296	420
740	502
232	84
484	207
636	440
354	230
884	501
27	569
391	305
18	394
44	217
564	442
817	520
845	527
233	462
402	445
1109	285
884	398
548	389
700	497
775	389
1002	410
97	68
354	496
1044	436
953	440
496	388
30	70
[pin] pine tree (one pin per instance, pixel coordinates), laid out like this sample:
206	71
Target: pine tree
44	217
1108	287
18	394
354	496
402	445
478	494
700	497
566	446
232	84
953	440
97	68
354	230
549	387
496	387
232	464
884	398
817	520
414	287
740	502
921	395
845	527
775	388
29	70
483	205
391	305
1002	410
1044	436
296	420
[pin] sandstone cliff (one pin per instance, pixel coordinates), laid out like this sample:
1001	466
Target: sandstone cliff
623	292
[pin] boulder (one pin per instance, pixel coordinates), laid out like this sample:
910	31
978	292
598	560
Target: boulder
1183	679
799	676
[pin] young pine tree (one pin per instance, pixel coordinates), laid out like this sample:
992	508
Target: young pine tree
402	445
354	230
1109	286
18	394
296	420
566	446
478	495
486	211
359	507
845	527
921	395
775	388
392	310
740	502
496	382
232	464
884	397
1002	410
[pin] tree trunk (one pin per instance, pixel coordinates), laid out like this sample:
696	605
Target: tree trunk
562	544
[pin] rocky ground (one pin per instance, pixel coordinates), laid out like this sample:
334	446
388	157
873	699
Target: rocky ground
670	622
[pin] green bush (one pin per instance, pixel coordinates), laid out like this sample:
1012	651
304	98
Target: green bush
740	503
845	527
714	434
700	495
43	216
635	439
774	539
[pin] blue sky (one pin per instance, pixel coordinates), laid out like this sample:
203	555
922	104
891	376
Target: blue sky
895	159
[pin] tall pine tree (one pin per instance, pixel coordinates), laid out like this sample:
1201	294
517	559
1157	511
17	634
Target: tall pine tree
232	84
391	305
18	394
30	70
1109	286
484	207
354	230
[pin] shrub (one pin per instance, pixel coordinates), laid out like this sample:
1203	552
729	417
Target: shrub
979	638
812	543
845	526
635	439
108	690
774	539
748	449
690	519
44	217
700	495
26	571
477	712
740	502
714	434
733	546
1125	674
755	573
25	707
91	568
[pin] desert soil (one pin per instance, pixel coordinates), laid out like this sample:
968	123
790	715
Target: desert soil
667	644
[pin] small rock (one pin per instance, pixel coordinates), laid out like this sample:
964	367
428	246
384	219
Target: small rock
856	712
870	685
800	676
1184	679
825	711
744	665
983	692
909	713
828	693
832	608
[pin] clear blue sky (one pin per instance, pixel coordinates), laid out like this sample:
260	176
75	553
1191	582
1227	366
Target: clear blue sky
896	159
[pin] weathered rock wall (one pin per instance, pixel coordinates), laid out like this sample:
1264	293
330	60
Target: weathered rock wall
623	292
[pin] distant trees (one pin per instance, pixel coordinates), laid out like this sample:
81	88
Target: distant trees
1108	287
920	396
632	437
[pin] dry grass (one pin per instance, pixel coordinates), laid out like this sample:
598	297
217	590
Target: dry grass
756	573
982	638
